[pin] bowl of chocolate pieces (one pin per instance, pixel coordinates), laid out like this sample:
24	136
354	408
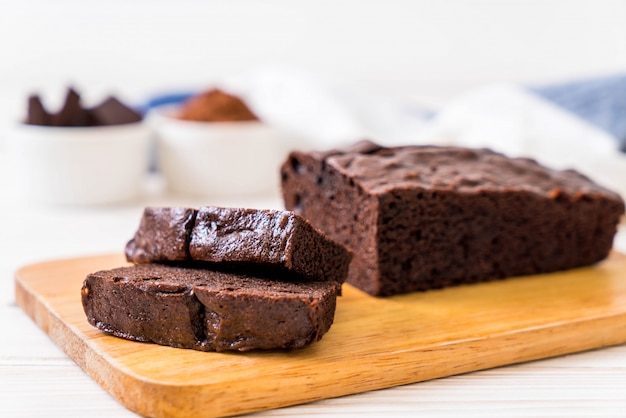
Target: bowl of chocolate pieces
213	144
79	155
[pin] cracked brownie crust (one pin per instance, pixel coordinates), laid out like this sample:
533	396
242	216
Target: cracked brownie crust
274	239
424	217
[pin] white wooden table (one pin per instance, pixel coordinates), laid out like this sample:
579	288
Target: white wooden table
37	379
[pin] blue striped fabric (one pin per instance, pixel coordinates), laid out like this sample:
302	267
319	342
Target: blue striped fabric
600	101
166	99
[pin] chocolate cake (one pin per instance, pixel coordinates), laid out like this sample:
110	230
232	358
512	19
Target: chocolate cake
425	217
208	310
270	238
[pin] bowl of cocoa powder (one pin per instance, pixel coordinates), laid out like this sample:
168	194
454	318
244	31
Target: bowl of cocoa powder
213	144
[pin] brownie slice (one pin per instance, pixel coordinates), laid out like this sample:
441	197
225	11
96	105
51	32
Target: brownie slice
163	235
424	217
208	310
241	238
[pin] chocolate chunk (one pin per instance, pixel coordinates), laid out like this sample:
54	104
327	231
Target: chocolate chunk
71	114
110	112
37	114
114	112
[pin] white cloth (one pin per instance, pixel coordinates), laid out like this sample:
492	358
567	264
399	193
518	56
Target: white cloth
514	121
323	114
503	117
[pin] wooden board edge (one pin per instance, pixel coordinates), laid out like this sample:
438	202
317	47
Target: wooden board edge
69	342
556	339
188	400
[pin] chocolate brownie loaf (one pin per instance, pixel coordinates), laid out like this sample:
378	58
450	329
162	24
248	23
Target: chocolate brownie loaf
424	217
272	238
208	310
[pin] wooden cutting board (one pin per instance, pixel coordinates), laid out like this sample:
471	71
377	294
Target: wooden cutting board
374	343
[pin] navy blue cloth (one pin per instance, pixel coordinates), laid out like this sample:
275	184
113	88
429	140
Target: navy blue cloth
600	101
166	99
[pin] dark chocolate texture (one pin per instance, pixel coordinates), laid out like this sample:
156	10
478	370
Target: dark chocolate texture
208	310
424	217
113	112
251	237
163	235
73	114
37	114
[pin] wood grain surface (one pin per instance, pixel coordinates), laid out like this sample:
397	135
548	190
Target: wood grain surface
374	342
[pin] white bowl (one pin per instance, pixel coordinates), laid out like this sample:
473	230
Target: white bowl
219	158
79	165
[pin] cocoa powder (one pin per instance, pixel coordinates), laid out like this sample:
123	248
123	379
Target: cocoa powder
216	106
